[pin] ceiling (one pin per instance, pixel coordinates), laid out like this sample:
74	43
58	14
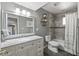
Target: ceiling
53	7
32	5
60	7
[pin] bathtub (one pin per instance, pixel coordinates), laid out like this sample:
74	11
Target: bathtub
56	44
63	47
62	44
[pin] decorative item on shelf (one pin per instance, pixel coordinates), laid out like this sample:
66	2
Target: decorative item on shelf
44	20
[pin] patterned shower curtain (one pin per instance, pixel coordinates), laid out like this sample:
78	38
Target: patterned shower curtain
70	32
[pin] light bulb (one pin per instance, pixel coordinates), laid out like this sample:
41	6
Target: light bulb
23	12
28	14
17	11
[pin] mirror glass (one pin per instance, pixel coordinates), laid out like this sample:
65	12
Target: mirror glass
19	24
14	24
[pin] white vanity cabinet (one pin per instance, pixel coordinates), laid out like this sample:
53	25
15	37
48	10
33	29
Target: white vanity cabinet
29	48
10	51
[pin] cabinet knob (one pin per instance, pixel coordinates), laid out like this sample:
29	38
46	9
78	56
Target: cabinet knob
6	52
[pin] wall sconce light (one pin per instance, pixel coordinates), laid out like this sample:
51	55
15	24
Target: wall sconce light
44	19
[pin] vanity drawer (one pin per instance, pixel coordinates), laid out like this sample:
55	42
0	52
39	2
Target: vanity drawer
23	45
39	46
39	41
10	51
10	48
40	53
10	54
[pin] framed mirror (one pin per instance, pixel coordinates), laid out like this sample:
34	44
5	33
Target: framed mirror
13	25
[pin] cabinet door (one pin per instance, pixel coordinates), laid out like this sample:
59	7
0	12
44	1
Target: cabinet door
40	53
39	47
10	51
10	54
33	51
22	52
24	49
29	50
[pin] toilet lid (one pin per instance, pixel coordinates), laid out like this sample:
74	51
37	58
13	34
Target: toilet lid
53	43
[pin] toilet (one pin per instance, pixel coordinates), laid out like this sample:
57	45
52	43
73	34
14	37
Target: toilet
52	45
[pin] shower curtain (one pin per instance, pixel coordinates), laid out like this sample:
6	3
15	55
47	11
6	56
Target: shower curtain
70	32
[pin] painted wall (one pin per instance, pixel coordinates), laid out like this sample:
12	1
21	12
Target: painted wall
43	30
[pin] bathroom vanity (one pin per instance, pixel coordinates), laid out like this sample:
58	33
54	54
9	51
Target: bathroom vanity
16	39
26	46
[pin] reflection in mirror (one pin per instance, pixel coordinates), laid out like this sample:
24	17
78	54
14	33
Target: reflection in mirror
25	25
16	24
12	25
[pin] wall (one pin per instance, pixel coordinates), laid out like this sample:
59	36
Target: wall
59	28
51	25
43	30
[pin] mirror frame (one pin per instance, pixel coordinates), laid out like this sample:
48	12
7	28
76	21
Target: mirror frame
17	20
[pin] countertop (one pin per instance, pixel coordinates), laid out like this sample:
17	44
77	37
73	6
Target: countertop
19	40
